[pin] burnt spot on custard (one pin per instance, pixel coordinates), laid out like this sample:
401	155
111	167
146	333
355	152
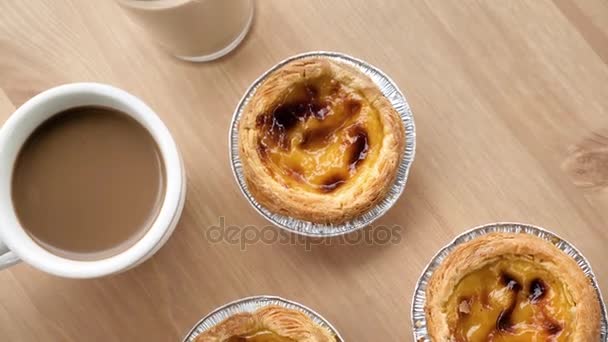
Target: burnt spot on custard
280	120
510	282
503	322
538	290
284	117
359	146
332	183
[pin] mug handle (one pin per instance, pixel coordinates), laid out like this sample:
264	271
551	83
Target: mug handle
7	257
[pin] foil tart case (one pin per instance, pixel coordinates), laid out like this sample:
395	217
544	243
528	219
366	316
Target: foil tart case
419	298
251	304
390	90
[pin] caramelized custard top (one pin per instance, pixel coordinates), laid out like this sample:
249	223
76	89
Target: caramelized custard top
319	135
510	300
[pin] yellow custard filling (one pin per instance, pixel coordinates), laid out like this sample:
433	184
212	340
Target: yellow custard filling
319	136
512	299
260	336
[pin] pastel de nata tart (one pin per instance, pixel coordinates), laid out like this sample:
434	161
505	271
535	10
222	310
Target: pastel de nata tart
319	142
511	287
268	324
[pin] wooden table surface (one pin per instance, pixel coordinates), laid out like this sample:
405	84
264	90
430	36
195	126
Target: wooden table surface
511	110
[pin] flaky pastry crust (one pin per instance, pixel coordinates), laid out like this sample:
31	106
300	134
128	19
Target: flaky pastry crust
286	323
357	194
490	248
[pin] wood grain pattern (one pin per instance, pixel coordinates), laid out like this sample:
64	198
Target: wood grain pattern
504	94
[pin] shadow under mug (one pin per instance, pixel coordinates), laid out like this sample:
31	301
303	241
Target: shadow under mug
16	244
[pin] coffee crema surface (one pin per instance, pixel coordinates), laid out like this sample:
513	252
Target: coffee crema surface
88	183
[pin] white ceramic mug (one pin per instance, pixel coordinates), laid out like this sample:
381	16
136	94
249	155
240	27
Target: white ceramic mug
15	243
194	30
